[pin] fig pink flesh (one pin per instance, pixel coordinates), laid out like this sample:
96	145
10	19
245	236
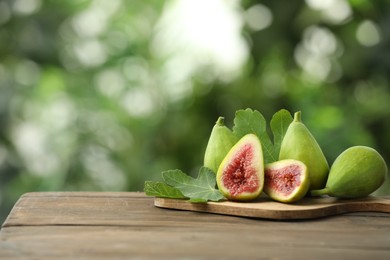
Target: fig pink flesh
240	176
284	180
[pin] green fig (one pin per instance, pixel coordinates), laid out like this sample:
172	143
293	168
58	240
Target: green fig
220	141
240	176
299	144
356	173
286	180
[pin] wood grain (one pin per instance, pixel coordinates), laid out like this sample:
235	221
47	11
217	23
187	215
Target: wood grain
264	208
128	225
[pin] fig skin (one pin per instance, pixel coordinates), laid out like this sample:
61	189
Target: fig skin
252	162
299	144
299	192
356	173
220	142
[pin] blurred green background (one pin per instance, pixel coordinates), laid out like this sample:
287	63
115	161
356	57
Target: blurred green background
103	95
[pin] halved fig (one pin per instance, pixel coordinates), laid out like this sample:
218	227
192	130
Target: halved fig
286	180
240	176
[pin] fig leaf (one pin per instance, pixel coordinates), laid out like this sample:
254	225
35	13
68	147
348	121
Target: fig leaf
279	125
178	185
200	189
160	189
250	121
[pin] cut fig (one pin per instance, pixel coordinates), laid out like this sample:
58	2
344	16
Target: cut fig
240	176
286	180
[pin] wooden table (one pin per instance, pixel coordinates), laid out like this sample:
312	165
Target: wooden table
114	225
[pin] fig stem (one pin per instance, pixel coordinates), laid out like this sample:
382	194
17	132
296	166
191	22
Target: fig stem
221	121
297	116
316	193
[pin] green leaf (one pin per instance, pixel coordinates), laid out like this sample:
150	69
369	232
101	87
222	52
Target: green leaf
160	189
200	189
252	121
197	200
176	178
279	124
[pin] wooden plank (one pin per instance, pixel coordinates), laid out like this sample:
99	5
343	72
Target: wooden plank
125	225
85	194
122	210
307	208
184	242
79	208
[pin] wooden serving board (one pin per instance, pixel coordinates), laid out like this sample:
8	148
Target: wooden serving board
307	208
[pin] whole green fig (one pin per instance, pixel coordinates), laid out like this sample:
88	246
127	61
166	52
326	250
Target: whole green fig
356	173
220	142
299	144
